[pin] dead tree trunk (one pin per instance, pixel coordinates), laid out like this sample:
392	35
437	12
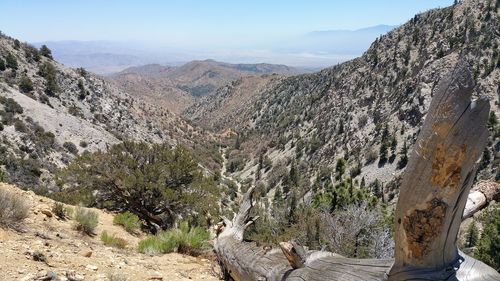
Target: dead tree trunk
432	199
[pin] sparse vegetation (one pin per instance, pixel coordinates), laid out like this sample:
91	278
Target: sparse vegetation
129	221
70	147
48	71
59	210
20	126
25	84
13	209
488	247
86	220
83	144
2	65
45	51
184	240
11	61
113	240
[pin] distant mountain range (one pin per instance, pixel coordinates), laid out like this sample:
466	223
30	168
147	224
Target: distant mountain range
178	87
314	50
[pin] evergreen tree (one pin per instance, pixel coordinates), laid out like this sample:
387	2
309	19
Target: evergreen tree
472	235
383	153
293	176
340	168
46	52
25	84
2	65
291	214
403	160
488	248
155	182
363	183
237	143
48	71
11	61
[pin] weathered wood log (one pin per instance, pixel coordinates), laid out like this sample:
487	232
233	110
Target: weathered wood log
437	181
480	197
432	199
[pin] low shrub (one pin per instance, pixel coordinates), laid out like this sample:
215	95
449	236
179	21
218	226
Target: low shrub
19	126
60	211
70	147
129	221
25	84
86	220
112	240
183	240
13	209
83	144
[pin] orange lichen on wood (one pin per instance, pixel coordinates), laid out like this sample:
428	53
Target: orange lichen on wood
447	165
422	226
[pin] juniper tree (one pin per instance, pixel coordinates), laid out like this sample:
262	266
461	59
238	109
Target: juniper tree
46	52
155	182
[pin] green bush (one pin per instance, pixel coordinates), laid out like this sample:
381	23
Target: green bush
11	61
70	147
112	240
59	210
83	144
11	106
2	65
13	208
488	247
86	220
20	126
183	240
25	84
48	71
129	221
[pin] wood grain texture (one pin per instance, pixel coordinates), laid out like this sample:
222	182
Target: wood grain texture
439	176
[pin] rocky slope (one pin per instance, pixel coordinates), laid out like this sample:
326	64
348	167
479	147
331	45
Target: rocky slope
50	112
366	111
178	87
70	255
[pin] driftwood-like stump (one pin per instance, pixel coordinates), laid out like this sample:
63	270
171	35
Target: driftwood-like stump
432	199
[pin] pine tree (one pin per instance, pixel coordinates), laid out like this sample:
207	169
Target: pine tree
404	157
472	235
46	52
488	247
340	168
383	153
2	65
363	183
293	176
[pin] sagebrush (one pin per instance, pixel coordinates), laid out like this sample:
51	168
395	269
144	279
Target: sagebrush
13	209
86	220
183	240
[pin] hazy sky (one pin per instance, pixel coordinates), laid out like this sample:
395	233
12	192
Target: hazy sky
197	23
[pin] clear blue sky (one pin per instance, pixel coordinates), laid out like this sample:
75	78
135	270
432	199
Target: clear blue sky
197	22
